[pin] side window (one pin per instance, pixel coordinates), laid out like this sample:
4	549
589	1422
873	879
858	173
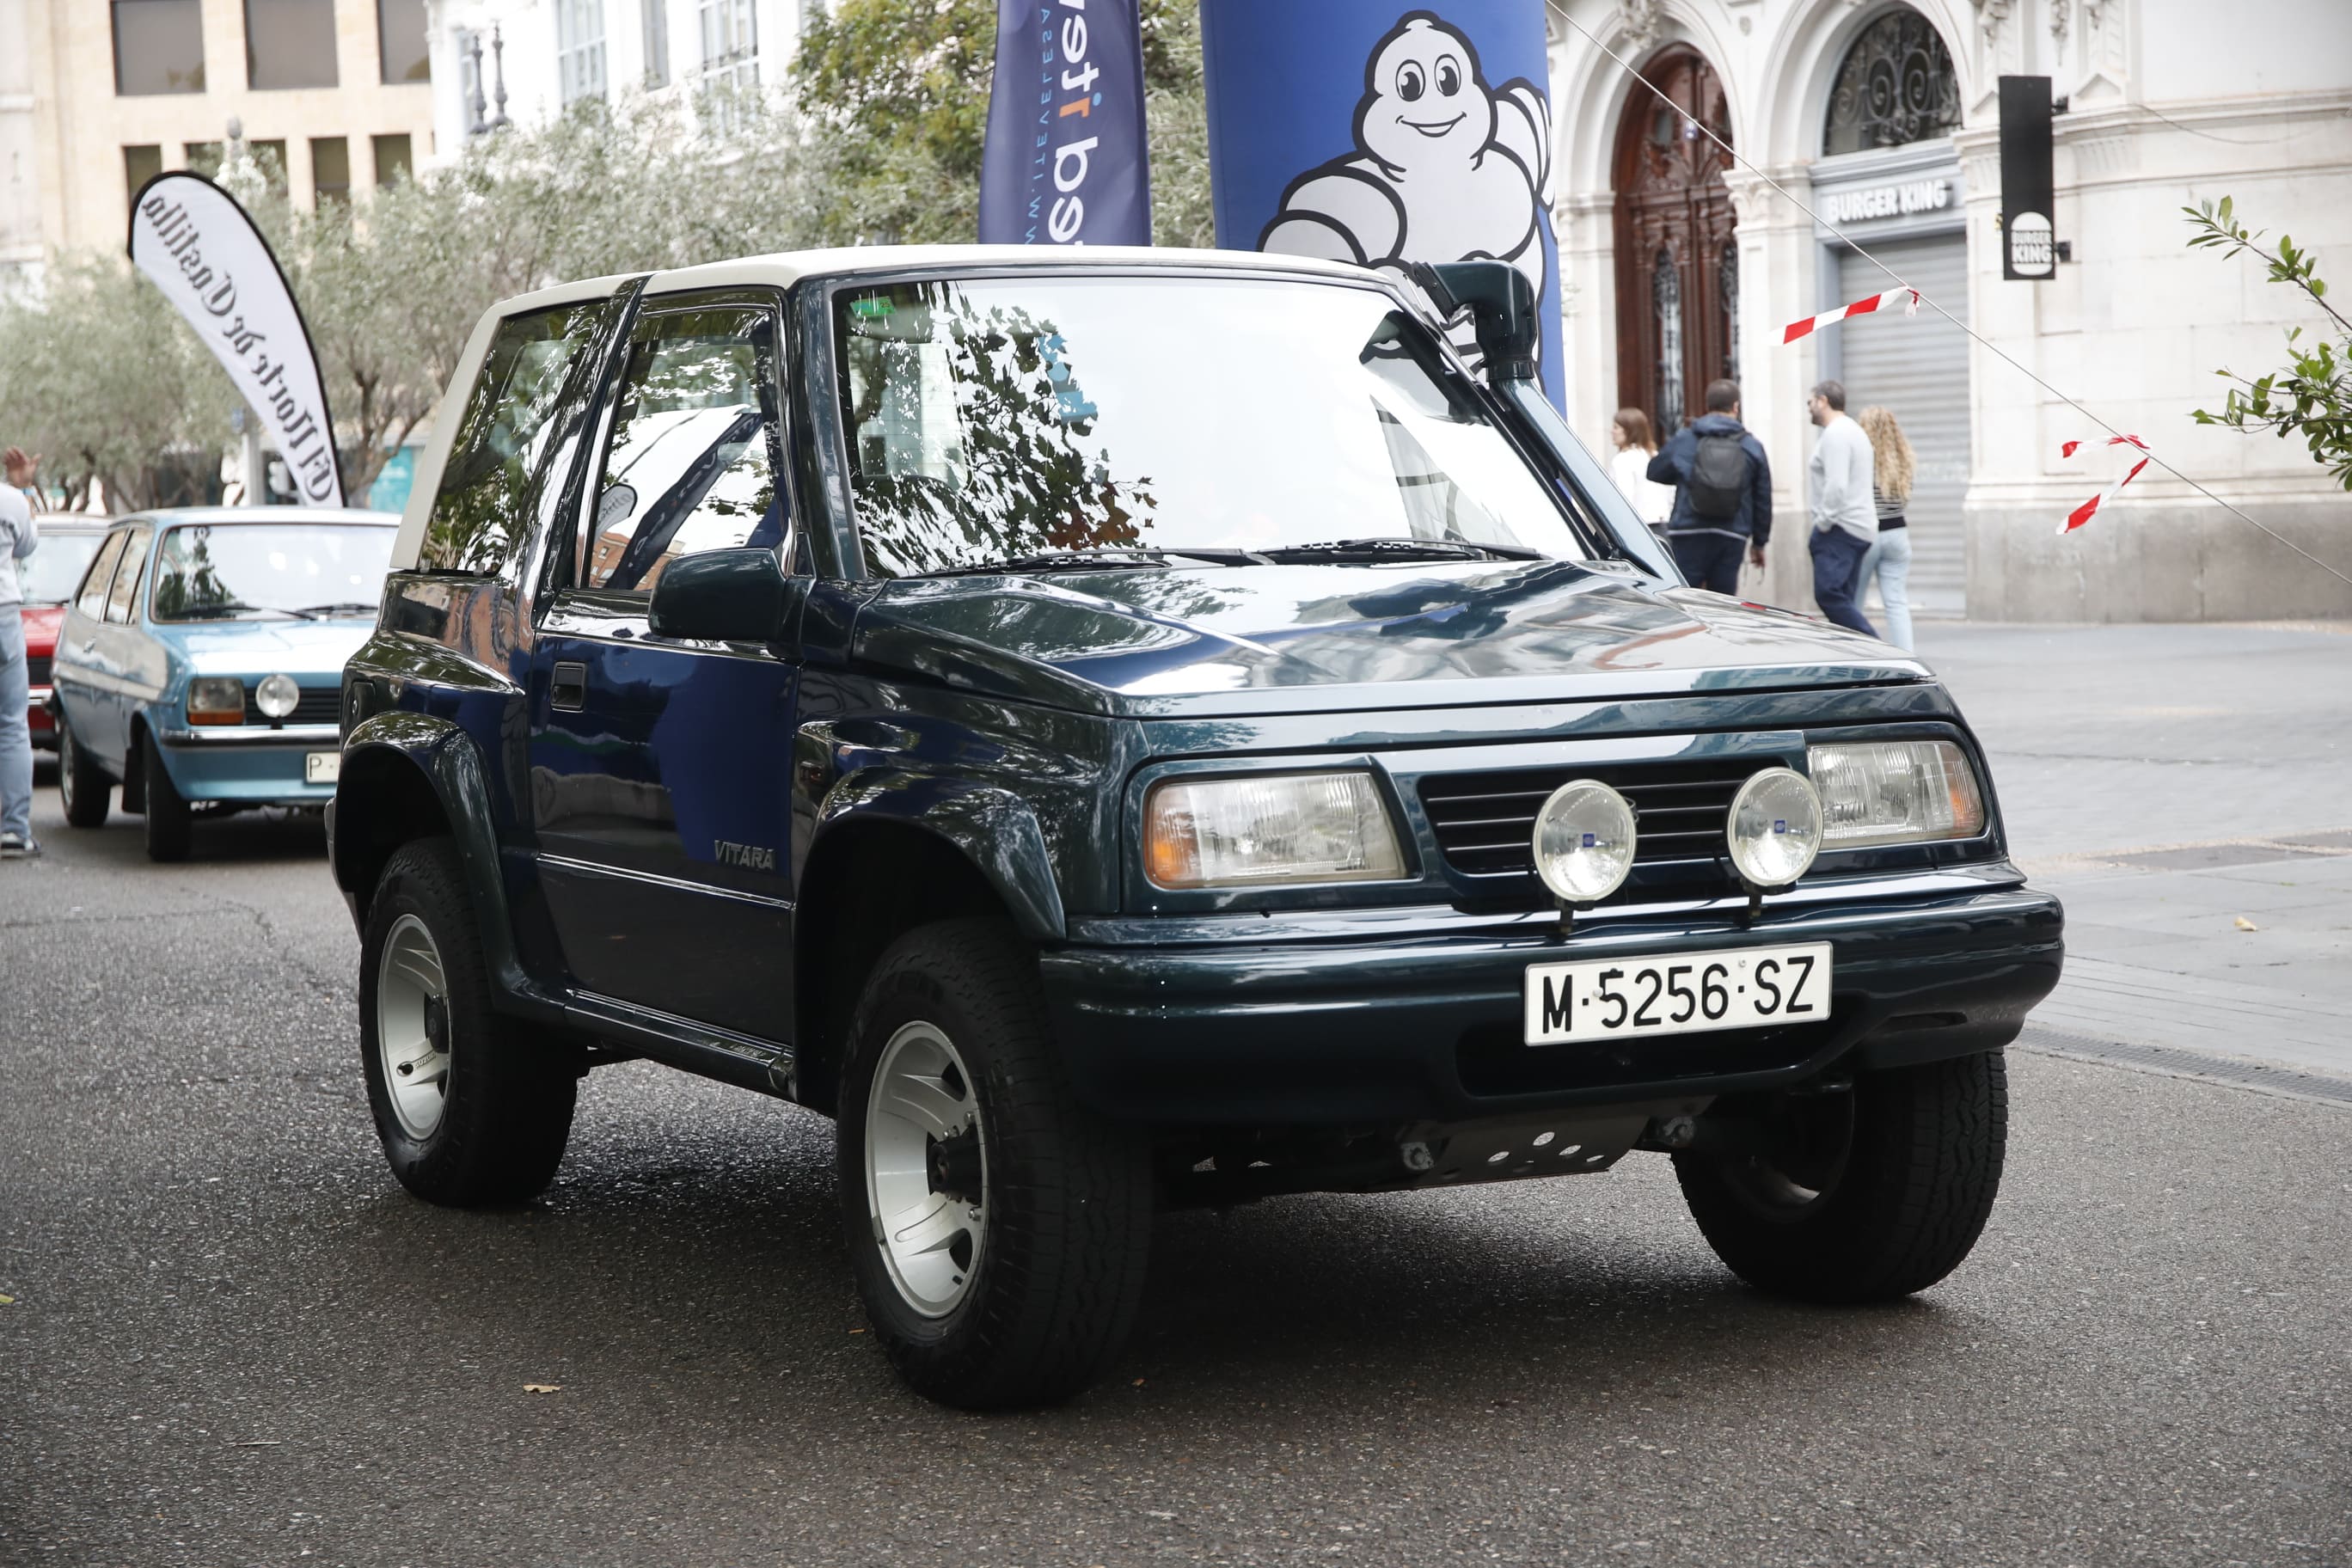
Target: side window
689	465
481	512
125	596
91	600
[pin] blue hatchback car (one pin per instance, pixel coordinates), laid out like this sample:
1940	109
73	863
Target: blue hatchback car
200	665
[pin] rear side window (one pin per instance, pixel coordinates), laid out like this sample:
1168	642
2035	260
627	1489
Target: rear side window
481	513
125	592
91	600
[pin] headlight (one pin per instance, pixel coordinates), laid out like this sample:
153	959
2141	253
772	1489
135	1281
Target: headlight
1776	827
1289	827
277	694
1584	841
1895	792
215	700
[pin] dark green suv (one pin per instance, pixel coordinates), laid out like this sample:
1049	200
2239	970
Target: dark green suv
1129	728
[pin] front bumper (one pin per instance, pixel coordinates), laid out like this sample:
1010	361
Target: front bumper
248	764
1403	1016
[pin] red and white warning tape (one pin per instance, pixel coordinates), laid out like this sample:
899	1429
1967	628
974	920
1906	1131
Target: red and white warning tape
1796	329
2089	509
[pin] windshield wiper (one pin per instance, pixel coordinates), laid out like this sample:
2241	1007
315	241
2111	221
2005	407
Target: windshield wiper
1125	558
341	607
1393	549
229	608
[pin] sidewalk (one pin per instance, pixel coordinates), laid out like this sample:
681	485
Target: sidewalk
2187	792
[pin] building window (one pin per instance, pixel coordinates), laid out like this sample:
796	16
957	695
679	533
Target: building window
400	50
656	21
730	45
159	46
580	49
271	157
203	157
1666	303
391	158
330	169
1896	86
289	43
1726	273
140	164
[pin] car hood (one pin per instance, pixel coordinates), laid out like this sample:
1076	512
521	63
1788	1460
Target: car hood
1262	639
261	648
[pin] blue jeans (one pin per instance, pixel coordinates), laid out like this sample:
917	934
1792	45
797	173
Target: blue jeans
1889	561
1837	574
1709	560
15	732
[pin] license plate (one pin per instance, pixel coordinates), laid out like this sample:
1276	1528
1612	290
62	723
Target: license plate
1739	988
322	767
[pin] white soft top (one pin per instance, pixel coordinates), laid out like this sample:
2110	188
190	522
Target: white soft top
785	268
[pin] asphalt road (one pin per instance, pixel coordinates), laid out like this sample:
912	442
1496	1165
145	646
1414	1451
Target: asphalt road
233	1341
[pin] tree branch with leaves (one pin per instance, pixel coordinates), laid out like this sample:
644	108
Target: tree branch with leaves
2312	396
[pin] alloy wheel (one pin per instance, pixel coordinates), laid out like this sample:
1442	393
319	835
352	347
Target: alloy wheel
926	1169
412	1027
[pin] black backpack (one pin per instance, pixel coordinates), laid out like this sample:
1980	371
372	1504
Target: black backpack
1719	477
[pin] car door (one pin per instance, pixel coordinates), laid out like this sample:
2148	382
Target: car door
116	656
659	786
82	689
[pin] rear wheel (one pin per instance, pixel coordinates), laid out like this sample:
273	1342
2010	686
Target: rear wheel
167	810
998	1230
81	788
473	1108
1858	1196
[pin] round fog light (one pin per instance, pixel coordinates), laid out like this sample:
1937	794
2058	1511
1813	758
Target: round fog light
1776	827
1584	841
277	694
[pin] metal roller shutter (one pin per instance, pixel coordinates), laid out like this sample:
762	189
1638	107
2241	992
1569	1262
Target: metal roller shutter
1917	366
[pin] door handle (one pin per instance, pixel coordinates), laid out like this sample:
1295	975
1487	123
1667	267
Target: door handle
569	691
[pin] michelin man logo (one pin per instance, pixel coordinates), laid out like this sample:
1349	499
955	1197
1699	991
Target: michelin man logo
1446	168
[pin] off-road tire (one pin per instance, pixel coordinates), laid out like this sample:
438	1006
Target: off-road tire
1068	1227
82	789
1919	1179
510	1090
167	810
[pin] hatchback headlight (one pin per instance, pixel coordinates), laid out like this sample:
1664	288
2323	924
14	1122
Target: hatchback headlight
277	696
1895	792
1285	827
215	700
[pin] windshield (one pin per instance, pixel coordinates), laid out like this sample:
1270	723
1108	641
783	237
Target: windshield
54	570
245	571
990	419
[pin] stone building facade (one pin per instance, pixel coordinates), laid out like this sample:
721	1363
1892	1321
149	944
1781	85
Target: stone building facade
1882	117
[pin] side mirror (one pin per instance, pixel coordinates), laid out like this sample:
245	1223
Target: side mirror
724	596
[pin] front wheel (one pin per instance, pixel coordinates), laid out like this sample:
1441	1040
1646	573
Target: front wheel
82	789
998	1230
473	1108
167	809
1858	1196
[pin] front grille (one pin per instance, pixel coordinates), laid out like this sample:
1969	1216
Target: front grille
317	705
1485	822
37	670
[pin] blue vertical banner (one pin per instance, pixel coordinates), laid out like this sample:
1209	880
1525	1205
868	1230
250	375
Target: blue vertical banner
1067	158
1384	135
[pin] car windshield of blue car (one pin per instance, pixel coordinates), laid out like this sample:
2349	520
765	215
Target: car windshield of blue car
1036	419
54	570
266	571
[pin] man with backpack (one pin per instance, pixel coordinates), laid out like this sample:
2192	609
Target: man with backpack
1723	493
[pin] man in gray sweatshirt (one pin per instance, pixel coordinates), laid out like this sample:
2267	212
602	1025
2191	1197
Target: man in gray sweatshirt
16	540
1845	522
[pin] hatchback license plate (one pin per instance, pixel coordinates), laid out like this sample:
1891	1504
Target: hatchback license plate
322	767
1738	988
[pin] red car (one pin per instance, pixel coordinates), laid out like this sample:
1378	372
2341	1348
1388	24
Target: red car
50	576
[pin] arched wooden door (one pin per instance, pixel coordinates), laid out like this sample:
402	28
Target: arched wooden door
1677	264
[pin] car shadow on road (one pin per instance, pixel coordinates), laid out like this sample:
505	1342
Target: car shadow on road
268	837
644	1265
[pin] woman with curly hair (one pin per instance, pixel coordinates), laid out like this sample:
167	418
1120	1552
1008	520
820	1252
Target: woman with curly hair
1889	559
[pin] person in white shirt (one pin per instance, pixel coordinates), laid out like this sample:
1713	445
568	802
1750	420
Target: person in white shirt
1654	503
1845	522
17	537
